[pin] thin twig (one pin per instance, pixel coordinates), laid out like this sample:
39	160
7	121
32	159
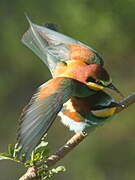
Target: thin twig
72	143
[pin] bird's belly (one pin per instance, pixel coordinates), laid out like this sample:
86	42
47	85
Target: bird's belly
73	125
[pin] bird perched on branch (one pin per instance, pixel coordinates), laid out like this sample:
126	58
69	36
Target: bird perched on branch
75	92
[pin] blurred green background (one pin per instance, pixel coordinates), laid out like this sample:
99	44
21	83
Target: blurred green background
107	26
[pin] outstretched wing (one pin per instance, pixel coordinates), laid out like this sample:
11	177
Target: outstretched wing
42	110
52	46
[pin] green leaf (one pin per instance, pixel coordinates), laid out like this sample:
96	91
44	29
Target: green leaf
16	150
47	174
45	153
11	150
32	156
41	146
60	169
4	156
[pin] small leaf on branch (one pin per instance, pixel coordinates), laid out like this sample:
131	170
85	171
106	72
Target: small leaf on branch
5	156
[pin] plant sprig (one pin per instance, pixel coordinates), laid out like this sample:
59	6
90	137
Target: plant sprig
38	156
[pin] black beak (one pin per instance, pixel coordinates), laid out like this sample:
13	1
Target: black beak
112	87
114	104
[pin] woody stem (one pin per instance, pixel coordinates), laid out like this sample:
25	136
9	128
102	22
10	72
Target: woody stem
71	144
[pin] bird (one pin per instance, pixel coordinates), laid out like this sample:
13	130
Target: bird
75	93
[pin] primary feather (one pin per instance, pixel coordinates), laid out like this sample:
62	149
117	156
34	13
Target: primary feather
42	110
53	47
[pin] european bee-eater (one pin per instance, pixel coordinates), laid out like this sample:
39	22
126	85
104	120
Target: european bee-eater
75	92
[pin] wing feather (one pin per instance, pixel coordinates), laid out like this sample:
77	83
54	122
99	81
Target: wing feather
42	111
51	46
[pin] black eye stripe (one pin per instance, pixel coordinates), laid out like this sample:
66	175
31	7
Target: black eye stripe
90	79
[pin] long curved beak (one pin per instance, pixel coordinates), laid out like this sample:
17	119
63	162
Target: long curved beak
109	88
113	88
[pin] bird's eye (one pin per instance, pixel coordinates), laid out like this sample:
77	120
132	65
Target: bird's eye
96	81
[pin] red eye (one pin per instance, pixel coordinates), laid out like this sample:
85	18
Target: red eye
97	81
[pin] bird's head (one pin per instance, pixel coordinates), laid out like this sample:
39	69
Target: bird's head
99	79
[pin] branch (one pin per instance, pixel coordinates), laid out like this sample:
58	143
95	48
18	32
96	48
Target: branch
72	143
125	103
30	174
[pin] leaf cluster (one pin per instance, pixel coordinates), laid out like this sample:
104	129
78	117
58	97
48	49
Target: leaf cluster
38	156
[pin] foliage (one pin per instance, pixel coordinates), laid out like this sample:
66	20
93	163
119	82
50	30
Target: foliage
48	174
39	154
